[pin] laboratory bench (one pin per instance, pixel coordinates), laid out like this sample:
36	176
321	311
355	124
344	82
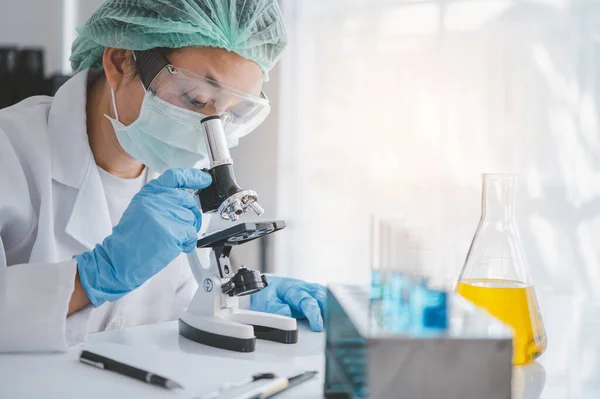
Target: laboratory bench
569	369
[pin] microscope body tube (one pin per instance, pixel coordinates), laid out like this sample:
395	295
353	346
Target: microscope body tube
224	196
218	151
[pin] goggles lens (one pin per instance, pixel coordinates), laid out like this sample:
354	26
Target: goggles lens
241	112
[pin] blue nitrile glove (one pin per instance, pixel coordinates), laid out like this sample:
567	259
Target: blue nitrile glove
160	223
292	298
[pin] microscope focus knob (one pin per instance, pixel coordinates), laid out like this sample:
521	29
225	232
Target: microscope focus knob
244	282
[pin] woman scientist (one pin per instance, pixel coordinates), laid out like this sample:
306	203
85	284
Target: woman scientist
94	215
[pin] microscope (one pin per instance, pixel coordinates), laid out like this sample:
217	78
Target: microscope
213	317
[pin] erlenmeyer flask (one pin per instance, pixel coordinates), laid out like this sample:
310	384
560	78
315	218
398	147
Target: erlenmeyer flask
496	276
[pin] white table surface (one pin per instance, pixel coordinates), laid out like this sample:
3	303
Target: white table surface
569	369
158	348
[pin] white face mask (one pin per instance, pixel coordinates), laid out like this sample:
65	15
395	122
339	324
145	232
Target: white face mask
164	136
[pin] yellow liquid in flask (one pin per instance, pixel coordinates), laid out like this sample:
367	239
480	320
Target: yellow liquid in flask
516	305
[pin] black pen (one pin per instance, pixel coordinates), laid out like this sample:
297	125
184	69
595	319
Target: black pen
105	363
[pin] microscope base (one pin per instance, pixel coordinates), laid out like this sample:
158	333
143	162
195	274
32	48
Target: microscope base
216	340
276	335
238	330
268	326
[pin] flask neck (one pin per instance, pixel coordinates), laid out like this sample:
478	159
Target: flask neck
499	197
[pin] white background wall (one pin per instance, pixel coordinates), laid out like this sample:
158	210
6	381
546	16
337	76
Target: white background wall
36	23
398	107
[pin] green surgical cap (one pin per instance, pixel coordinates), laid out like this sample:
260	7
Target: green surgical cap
253	29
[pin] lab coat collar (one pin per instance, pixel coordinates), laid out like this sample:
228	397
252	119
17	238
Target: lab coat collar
73	163
69	145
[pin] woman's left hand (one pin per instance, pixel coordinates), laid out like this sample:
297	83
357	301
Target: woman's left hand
292	298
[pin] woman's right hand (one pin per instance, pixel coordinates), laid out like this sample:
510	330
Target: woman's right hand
161	222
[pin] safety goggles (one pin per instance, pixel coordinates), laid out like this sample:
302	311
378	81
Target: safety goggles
241	112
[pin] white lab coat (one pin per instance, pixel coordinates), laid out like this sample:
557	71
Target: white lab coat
53	206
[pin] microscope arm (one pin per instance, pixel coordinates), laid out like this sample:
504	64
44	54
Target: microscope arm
197	270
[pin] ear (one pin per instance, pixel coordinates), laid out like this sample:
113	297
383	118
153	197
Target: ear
117	66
